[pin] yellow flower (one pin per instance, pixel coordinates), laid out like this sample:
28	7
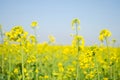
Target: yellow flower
28	61
71	69
33	58
104	34
78	40
60	64
16	70
32	38
76	22
55	73
51	38
25	70
34	24
36	70
7	34
101	38
91	76
105	78
66	51
16	34
61	69
46	77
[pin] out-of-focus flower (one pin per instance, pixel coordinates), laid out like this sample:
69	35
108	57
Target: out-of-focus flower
105	78
16	34
104	34
101	38
75	22
16	70
46	77
60	66
25	70
51	38
32	38
78	40
34	24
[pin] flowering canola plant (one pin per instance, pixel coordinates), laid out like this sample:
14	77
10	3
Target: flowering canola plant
23	58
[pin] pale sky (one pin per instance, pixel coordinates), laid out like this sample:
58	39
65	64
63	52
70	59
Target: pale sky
55	16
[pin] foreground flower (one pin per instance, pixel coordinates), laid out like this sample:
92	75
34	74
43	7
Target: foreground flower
16	34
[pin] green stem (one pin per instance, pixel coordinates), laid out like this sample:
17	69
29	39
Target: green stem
22	63
98	76
1	33
2	64
108	57
77	45
114	71
107	47
9	66
36	52
9	58
77	72
76	29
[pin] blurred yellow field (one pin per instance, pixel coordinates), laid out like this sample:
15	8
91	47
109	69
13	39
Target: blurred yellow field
22	57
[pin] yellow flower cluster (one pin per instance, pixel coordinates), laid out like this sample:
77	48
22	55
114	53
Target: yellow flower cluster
78	41
31	59
104	34
75	23
43	61
17	34
16	70
51	38
32	39
34	24
60	66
